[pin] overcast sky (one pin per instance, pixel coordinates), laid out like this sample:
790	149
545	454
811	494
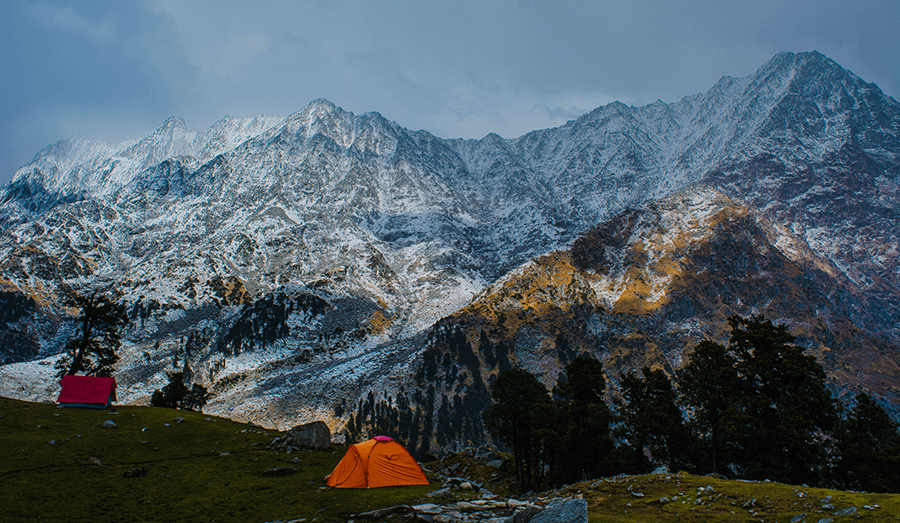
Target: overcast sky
113	70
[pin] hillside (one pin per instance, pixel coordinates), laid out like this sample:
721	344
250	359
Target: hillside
642	289
63	465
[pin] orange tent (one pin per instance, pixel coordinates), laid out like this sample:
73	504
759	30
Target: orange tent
379	462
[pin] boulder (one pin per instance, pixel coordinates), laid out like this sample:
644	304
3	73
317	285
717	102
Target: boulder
315	435
523	515
570	511
446	491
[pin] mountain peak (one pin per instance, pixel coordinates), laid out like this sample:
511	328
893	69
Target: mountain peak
322	103
172	123
385	232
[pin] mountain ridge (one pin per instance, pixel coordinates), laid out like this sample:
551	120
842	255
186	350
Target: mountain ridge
395	231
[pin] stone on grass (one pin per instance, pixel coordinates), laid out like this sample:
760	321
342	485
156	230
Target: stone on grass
315	435
570	511
137	472
110	424
446	491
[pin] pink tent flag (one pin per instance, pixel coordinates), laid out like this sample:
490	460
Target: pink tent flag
87	391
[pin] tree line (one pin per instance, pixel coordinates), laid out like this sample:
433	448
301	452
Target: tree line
93	351
757	409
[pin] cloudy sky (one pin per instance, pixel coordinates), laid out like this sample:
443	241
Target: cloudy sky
112	70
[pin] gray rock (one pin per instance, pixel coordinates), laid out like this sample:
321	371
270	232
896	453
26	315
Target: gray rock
496	463
569	511
825	520
845	511
459	482
798	518
446	491
110	424
315	435
523	515
486	453
427	508
384	512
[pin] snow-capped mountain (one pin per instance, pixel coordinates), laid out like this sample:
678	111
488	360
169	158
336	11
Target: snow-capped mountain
298	264
641	289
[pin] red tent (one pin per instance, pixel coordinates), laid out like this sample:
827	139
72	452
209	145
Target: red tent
87	391
379	462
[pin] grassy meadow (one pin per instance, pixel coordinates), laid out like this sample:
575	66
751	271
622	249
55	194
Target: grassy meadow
64	465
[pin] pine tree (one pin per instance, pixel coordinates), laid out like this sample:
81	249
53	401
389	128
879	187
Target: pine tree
582	441
520	403
788	407
652	421
92	350
709	388
177	395
868	445
761	406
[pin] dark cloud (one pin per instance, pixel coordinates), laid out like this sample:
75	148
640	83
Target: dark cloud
112	70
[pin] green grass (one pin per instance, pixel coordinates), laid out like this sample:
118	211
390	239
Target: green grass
612	500
211	469
203	469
